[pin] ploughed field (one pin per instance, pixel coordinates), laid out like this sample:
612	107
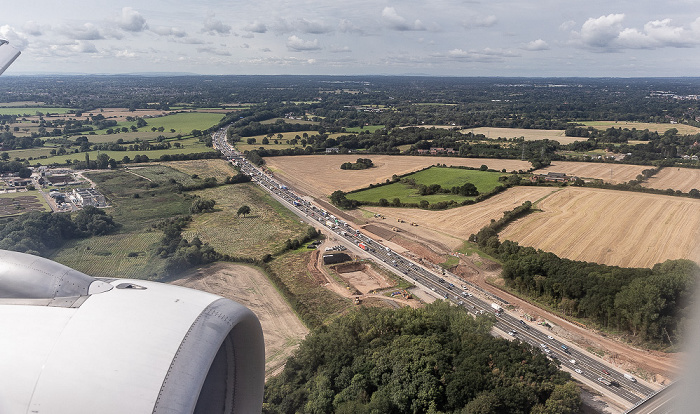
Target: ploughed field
612	227
320	175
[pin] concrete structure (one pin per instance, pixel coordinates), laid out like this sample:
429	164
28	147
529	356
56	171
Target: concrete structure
72	343
89	197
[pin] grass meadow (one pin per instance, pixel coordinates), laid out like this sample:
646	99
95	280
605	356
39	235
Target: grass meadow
484	181
144	196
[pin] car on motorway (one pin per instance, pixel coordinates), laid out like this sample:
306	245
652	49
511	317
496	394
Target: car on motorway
605	371
550	337
578	371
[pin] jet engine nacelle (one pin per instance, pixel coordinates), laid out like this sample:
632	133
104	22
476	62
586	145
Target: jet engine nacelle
71	343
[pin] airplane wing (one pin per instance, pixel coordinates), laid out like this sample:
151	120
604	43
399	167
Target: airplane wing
8	54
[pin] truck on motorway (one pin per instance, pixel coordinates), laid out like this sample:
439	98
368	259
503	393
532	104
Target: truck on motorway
497	308
362	246
629	377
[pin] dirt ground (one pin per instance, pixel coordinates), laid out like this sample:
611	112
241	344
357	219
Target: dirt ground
684	179
608	172
362	277
320	175
612	227
282	330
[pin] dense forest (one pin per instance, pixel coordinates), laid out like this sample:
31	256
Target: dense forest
432	360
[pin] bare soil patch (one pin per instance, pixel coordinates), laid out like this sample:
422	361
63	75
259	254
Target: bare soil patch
608	172
320	175
611	227
362	277
684	179
248	286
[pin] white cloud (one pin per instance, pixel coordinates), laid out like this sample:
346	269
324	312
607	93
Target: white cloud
125	54
16	39
215	26
480	21
169	31
296	44
256	27
301	25
606	33
346	26
396	22
602	31
32	28
485	55
214	51
83	47
131	20
86	31
338	49
536	45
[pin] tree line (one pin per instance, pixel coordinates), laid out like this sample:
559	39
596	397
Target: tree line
437	359
649	305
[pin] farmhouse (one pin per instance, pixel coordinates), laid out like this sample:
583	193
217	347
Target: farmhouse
554	177
332	150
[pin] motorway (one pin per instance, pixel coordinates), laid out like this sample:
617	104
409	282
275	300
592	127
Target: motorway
583	366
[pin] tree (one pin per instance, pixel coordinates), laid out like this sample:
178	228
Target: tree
251	141
243	210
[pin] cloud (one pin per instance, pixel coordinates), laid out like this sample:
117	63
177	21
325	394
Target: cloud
16	39
536	45
485	55
125	53
480	21
346	26
215	26
82	46
131	20
602	31
301	25
296	44
169	31
256	27
338	49
33	28
606	33
396	22
86	31
214	51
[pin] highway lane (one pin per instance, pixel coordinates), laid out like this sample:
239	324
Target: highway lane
583	364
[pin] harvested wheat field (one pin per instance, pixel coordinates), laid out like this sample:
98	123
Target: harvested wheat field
248	286
684	179
320	175
527	134
451	227
610	227
621	173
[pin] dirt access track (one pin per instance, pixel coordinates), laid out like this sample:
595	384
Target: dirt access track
282	330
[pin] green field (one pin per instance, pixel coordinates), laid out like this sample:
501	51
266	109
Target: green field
370	128
263	231
183	123
188	146
484	181
32	110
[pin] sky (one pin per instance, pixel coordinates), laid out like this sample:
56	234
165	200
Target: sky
529	38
